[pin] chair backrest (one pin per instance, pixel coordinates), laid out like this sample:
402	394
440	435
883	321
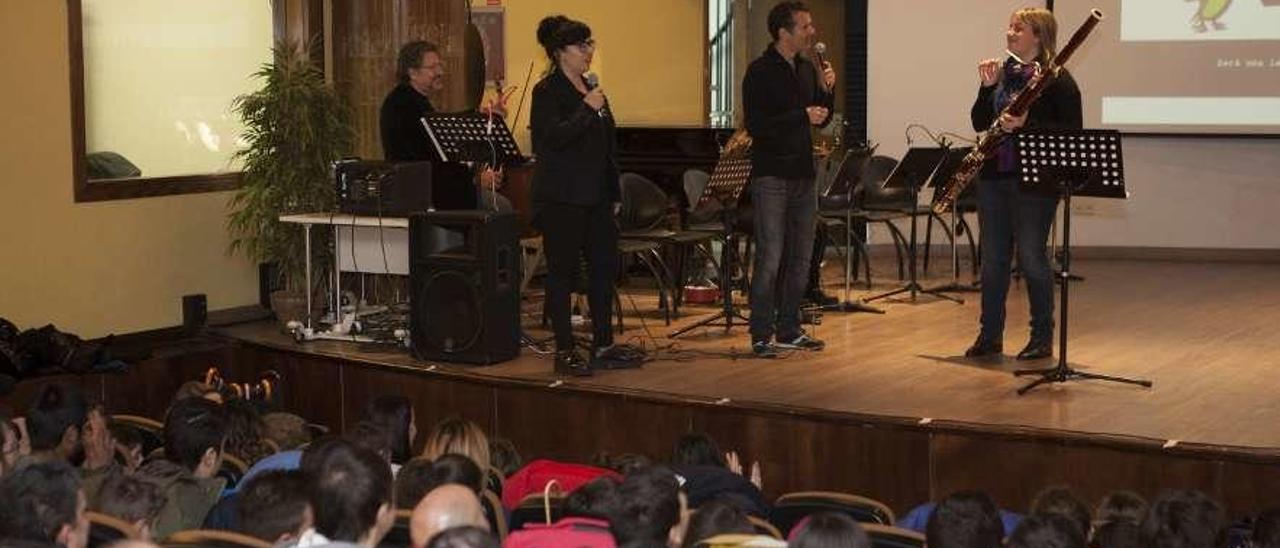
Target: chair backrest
150	431
104	529
534	508
695	183
644	204
763	527
233	468
493	510
793	507
214	538
888	536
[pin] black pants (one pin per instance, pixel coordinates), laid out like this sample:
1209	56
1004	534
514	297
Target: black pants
569	232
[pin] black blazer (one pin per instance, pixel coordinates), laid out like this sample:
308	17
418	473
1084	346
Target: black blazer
1058	107
576	147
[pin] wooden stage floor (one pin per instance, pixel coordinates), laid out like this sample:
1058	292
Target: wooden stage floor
1206	334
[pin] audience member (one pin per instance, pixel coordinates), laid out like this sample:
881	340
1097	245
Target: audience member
54	424
1060	500
1266	530
245	431
275	506
1048	530
195	432
413	482
710	474
1124	506
596	499
130	499
445	507
649	508
10	444
287	430
463	537
622	463
351	496
966	519
1120	533
374	438
716	518
129	448
196	389
830	530
396	417
504	458
456	435
42	503
1183	519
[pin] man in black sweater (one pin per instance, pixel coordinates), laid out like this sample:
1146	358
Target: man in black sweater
782	99
420	70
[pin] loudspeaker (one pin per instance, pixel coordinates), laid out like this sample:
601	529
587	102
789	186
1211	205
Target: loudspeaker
465	298
195	312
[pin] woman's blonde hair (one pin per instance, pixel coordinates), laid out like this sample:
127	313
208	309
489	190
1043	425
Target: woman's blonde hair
461	436
1045	27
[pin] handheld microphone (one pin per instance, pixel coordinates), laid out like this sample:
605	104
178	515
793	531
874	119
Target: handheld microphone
593	82
819	49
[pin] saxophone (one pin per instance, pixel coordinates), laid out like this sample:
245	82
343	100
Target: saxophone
994	135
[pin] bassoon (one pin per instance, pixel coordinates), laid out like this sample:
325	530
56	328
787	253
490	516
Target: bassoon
990	140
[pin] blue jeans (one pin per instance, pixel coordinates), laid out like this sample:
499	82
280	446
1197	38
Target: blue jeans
1012	218
783	217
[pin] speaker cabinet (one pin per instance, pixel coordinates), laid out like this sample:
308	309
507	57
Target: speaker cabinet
464	270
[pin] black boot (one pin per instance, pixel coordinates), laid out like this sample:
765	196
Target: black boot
570	362
984	347
1037	348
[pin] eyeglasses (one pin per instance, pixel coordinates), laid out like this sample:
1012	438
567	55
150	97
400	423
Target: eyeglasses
589	43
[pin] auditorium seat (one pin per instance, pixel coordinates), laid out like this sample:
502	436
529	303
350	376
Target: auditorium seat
213	539
793	507
763	527
888	536
535	508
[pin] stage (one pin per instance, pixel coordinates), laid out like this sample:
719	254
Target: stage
894	389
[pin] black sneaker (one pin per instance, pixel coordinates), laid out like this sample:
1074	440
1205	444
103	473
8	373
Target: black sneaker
764	349
570	362
618	356
820	297
801	341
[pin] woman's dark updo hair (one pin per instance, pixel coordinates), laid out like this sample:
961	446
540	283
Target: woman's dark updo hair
558	31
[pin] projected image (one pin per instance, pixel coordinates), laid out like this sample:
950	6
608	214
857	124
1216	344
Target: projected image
1174	20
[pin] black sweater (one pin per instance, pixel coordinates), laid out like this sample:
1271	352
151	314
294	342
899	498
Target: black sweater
775	94
575	147
1058	107
405	140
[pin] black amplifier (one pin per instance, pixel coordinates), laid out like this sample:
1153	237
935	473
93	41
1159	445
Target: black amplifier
383	189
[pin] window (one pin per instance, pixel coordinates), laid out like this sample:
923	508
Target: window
720	50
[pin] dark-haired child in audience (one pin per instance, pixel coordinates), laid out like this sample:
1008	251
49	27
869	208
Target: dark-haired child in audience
596	499
966	519
1184	519
650	508
195	433
245	431
275	506
1119	506
42	504
716	518
130	499
62	426
622	463
710	473
396	417
1060	500
351	494
463	537
830	530
413	481
1047	531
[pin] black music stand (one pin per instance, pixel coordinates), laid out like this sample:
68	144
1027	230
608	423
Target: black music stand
843	185
950	162
725	186
916	168
1070	163
471	137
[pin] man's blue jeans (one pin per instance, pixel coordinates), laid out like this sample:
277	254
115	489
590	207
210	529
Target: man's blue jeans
783	217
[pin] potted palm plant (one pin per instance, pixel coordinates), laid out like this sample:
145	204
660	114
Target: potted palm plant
296	125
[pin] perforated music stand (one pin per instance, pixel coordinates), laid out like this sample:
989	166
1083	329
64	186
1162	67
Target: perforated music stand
728	179
1070	163
473	137
915	169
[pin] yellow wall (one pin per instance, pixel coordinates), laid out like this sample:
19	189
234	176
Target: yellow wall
95	268
650	55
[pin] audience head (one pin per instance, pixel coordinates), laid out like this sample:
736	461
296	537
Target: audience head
1117	534
698	450
443	508
275	506
129	447
716	518
195	432
622	463
244	430
456	469
1060	500
196	389
43	503
467	536
461	436
1047	531
830	530
648	507
130	499
289	431
595	499
351	491
967	519
372	437
1183	519
413	481
503	457
1266	529
1124	506
54	421
395	415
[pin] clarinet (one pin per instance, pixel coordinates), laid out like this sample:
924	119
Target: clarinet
994	135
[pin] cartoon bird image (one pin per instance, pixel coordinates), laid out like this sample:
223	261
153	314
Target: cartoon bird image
1208	14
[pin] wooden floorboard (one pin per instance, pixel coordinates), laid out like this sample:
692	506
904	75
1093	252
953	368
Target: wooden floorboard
1206	334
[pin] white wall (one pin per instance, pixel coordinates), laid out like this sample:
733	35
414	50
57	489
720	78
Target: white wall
1186	192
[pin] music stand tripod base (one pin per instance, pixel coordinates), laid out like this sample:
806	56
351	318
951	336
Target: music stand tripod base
1069	163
